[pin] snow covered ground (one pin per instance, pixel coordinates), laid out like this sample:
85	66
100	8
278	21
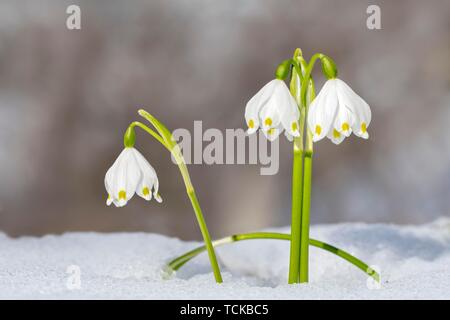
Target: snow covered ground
414	263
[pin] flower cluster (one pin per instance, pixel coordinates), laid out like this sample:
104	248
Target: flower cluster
335	113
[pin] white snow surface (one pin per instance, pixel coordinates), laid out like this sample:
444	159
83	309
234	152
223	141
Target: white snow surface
414	262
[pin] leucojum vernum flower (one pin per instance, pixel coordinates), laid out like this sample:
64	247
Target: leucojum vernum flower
131	173
335	113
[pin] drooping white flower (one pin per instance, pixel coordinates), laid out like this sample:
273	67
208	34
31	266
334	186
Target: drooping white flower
337	111
273	109
131	173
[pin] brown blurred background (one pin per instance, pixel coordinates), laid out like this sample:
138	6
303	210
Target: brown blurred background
66	98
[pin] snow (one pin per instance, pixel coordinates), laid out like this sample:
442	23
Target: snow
414	262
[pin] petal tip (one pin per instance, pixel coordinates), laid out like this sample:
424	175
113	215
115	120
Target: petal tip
158	198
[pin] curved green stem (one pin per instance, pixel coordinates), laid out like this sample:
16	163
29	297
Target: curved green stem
165	138
178	262
307	77
150	132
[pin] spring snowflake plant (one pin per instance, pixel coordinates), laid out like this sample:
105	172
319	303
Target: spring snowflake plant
335	113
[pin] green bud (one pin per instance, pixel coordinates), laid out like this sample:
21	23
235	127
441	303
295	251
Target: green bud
129	138
283	69
328	67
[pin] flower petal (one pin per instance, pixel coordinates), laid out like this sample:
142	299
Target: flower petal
335	136
255	104
270	113
290	113
322	111
288	136
344	119
109	200
272	134
126	177
360	109
149	179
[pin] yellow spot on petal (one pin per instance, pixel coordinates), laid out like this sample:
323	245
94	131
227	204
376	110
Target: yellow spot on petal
268	122
336	133
270	131
145	191
109	197
345	126
251	124
294	126
363	127
122	195
318	129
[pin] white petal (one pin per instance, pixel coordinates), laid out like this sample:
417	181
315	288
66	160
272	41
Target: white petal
149	179
120	203
109	177
109	200
335	136
270	112
272	133
343	122
322	111
288	136
126	177
361	110
314	108
255	104
158	197
290	113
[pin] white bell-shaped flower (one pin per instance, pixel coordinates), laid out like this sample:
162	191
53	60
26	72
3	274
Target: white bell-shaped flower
337	111
131	173
273	109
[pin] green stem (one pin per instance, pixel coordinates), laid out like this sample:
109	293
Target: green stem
205	234
150	132
306	202
178	262
297	184
297	191
175	150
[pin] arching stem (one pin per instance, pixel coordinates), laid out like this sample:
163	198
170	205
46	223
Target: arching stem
178	262
165	138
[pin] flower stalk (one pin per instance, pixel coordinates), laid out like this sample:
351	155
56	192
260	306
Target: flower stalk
297	181
306	202
304	92
164	137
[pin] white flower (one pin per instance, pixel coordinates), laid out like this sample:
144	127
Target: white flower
131	173
273	109
337	111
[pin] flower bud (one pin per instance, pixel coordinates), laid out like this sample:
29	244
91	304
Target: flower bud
129	137
283	69
328	67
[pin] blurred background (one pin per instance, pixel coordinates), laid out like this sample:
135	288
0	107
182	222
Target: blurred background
66	97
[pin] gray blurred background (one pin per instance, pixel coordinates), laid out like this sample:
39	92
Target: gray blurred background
66	98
